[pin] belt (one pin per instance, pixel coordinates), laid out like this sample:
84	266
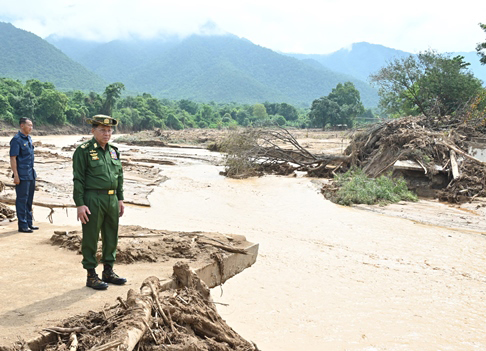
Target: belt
103	192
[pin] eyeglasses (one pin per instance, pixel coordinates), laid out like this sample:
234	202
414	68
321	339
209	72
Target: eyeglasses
104	131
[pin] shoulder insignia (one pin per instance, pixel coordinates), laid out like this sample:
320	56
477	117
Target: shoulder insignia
113	154
84	146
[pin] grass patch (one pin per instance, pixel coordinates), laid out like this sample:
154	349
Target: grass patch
356	188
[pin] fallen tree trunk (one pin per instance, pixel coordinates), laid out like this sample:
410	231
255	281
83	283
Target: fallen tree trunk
177	315
51	206
257	151
37	203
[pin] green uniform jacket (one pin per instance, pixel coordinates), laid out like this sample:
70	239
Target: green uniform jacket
96	169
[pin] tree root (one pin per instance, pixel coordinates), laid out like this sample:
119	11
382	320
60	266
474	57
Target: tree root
178	315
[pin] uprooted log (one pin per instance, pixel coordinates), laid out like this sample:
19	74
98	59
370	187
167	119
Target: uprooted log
176	315
51	206
276	151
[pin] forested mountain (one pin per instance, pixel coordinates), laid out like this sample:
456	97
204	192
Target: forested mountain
25	56
212	68
363	59
360	60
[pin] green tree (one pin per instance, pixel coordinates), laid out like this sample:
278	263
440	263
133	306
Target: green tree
111	94
6	110
186	119
52	107
76	115
427	83
94	103
324	111
8	85
226	118
242	118
259	111
288	111
205	114
349	101
481	47
23	104
272	108
125	118
36	86
189	106
280	120
156	107
174	123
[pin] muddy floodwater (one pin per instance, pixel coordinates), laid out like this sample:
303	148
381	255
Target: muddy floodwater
327	277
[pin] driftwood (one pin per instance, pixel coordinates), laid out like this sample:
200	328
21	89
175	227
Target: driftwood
59	330
151	160
454	165
51	206
73	345
37	203
465	154
257	151
423	141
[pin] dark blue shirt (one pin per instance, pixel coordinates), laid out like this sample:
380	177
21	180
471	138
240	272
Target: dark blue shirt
22	147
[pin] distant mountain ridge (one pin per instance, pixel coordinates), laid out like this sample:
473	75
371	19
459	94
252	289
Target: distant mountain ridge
25	56
222	68
362	59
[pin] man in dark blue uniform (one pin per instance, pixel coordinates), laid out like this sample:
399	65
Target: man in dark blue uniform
22	164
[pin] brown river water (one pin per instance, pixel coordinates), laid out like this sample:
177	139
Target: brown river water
327	277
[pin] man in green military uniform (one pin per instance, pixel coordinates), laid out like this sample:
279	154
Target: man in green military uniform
98	194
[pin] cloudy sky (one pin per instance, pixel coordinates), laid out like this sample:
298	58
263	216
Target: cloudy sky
302	26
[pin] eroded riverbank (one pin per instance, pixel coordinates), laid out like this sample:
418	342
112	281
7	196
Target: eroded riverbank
327	277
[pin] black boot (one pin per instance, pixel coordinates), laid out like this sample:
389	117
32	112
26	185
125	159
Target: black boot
110	276
94	281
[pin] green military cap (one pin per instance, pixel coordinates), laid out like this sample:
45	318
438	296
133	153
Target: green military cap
103	120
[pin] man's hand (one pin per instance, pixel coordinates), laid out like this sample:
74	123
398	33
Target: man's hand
83	212
121	206
16	179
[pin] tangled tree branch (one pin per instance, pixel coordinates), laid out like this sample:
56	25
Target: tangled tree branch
256	151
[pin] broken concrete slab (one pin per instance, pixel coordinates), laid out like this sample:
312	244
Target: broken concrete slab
57	290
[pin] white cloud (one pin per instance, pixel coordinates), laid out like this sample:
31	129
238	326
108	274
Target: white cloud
307	26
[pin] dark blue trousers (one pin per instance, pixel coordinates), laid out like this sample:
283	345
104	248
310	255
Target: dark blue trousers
23	203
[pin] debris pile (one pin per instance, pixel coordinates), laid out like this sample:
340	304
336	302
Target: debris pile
441	155
431	154
176	315
138	244
6	213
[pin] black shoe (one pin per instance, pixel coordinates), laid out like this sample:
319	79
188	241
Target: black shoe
95	282
33	227
25	230
111	277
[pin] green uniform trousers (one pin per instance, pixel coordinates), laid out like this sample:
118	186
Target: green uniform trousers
104	216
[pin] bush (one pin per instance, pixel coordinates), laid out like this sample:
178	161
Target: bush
239	147
357	188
